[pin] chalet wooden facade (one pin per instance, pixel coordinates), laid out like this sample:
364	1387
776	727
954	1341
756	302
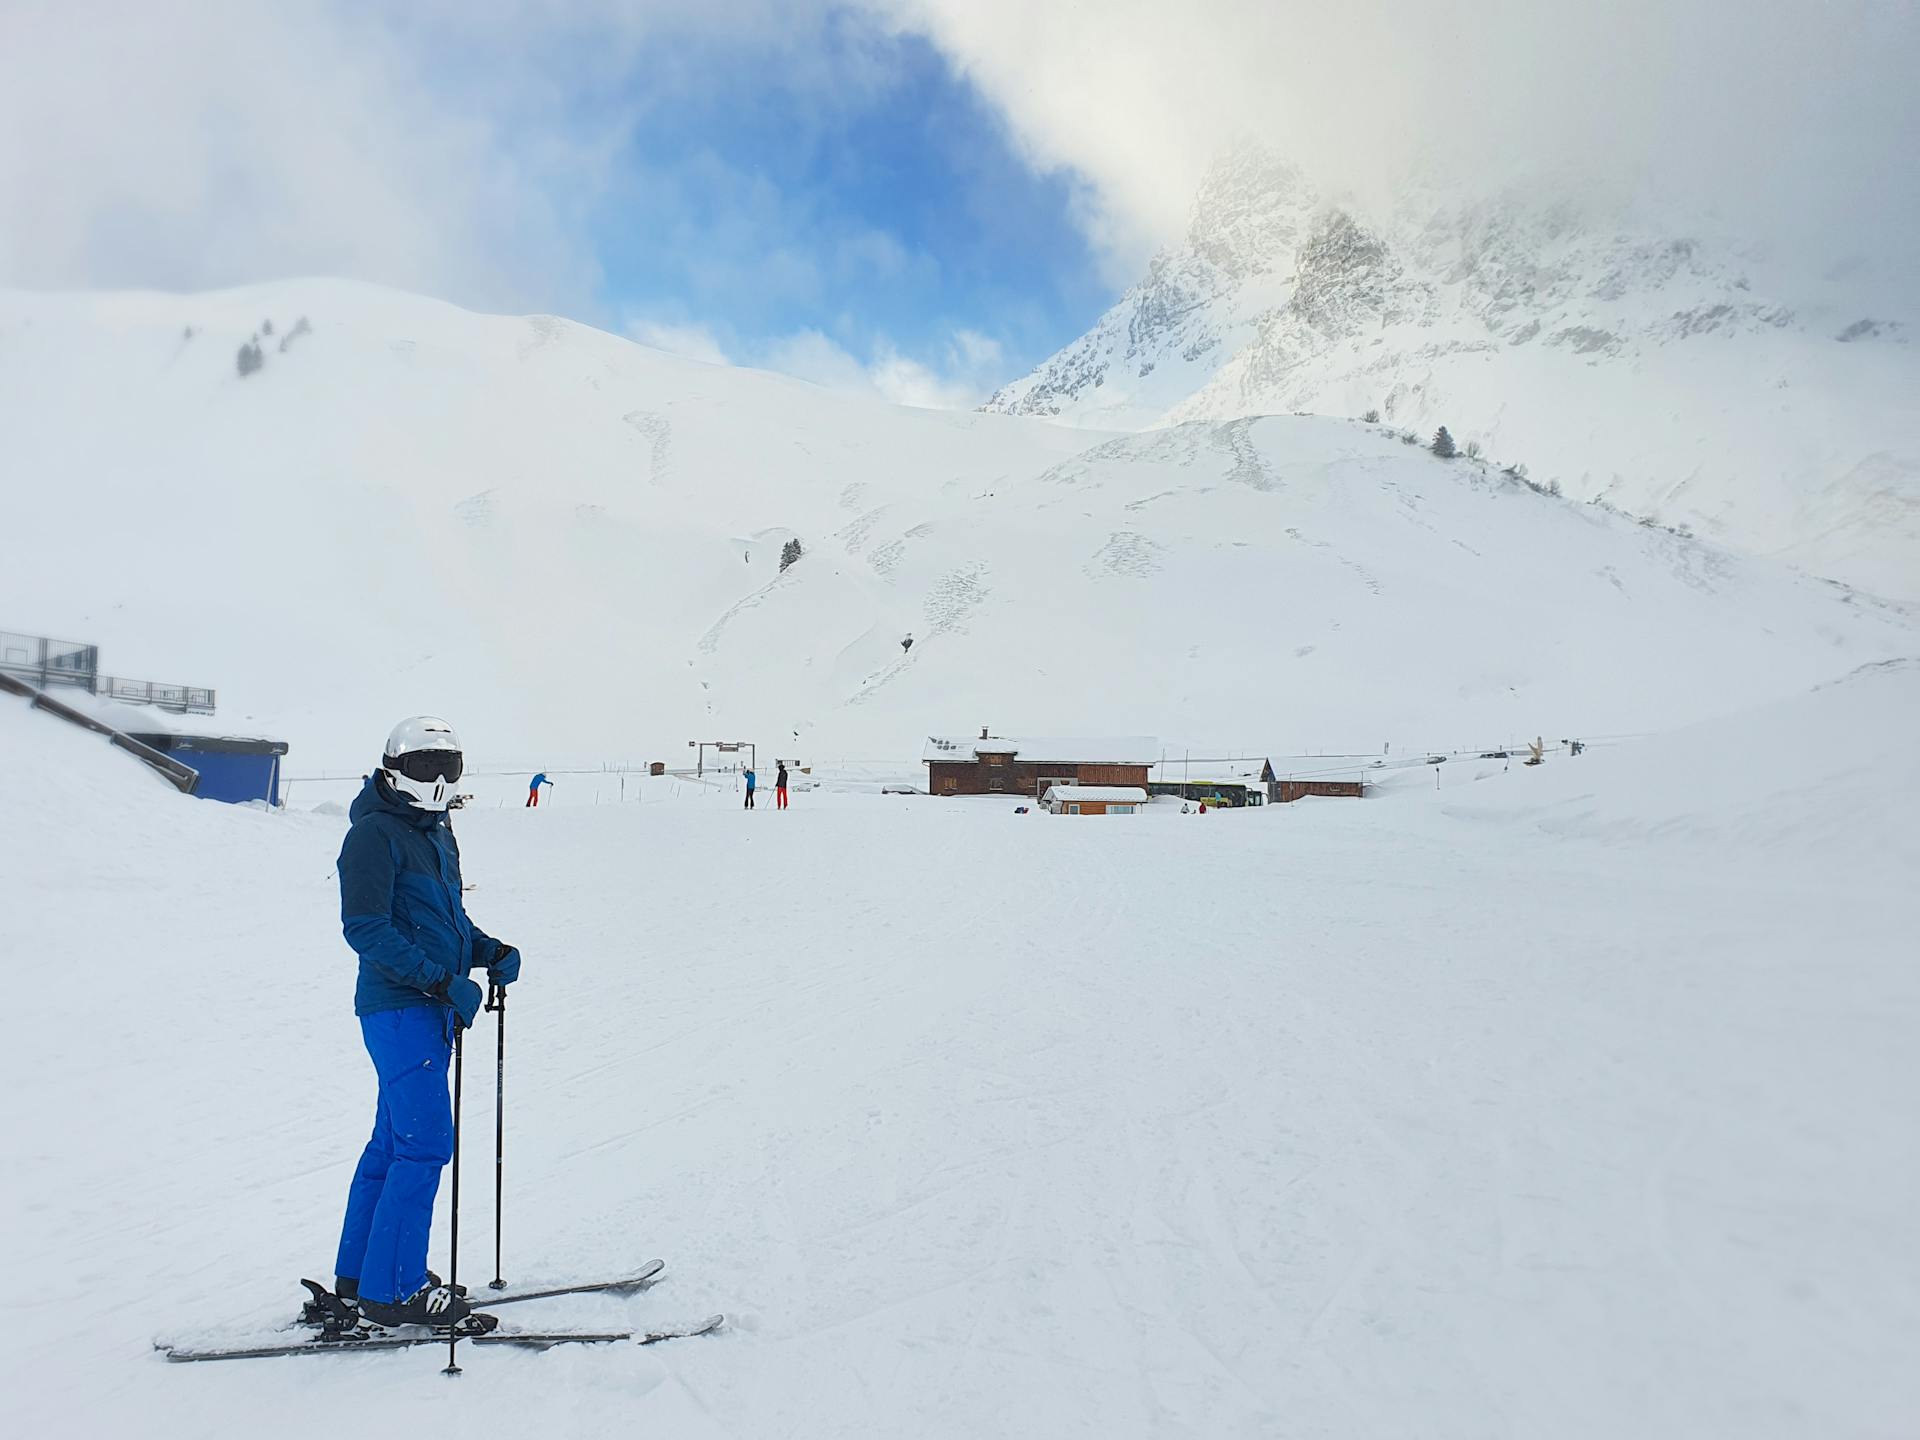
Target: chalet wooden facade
1291	790
1001	765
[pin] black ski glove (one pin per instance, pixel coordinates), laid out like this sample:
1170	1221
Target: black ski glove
504	967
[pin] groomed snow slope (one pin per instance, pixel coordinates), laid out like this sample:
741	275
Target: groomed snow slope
1573	1101
569	544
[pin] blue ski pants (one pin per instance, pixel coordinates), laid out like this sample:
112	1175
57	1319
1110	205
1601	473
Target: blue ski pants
383	1242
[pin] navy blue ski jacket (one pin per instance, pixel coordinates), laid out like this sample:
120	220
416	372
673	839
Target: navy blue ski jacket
400	903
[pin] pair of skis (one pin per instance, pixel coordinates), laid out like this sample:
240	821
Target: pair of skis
325	1309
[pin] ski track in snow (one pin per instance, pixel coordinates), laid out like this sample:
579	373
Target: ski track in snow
1126	554
1249	467
657	429
710	641
853	535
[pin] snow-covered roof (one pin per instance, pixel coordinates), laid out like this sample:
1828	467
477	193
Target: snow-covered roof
1109	750
1208	772
1112	794
145	719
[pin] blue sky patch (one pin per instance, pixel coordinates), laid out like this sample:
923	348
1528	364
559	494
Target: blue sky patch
867	195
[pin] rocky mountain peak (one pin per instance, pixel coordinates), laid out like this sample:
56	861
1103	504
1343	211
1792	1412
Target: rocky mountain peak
1613	347
1249	213
1344	272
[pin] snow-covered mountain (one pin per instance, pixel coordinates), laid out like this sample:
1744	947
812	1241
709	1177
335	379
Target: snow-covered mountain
572	544
1631	360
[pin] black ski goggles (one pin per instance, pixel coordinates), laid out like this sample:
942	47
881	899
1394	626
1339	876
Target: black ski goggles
427	766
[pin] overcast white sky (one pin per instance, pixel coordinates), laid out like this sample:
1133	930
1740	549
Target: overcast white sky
477	151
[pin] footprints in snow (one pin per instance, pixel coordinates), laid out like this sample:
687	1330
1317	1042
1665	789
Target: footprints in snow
658	431
1366	576
1126	553
477	510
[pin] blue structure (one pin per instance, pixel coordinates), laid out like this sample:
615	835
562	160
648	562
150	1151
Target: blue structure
232	768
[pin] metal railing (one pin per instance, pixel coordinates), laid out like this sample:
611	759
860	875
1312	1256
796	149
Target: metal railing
182	699
45	662
49	662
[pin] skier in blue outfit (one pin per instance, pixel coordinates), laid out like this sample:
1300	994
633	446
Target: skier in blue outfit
401	910
752	780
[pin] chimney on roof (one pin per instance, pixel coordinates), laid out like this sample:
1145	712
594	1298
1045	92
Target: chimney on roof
983	732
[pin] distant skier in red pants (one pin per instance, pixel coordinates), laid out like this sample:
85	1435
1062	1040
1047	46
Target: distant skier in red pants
533	789
780	786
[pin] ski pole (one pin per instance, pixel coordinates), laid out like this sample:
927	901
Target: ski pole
497	1002
453	1265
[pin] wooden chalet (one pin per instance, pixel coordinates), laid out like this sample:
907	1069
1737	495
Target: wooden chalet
1290	790
1002	765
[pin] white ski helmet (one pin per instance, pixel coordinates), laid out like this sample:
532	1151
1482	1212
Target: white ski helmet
423	761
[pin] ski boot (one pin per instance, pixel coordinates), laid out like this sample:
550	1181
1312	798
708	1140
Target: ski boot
339	1308
435	1306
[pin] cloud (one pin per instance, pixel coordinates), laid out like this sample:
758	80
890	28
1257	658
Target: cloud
480	152
962	372
976	352
1794	121
967	371
463	148
695	342
470	148
196	144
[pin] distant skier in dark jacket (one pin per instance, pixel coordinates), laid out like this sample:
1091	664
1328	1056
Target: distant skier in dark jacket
401	910
533	789
780	786
752	779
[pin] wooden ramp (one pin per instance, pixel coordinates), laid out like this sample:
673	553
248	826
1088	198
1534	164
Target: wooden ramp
183	778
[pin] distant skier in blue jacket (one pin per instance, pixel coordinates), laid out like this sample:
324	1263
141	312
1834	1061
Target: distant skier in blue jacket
401	910
533	790
752	780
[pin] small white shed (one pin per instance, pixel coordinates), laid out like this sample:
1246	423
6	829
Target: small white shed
1094	799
